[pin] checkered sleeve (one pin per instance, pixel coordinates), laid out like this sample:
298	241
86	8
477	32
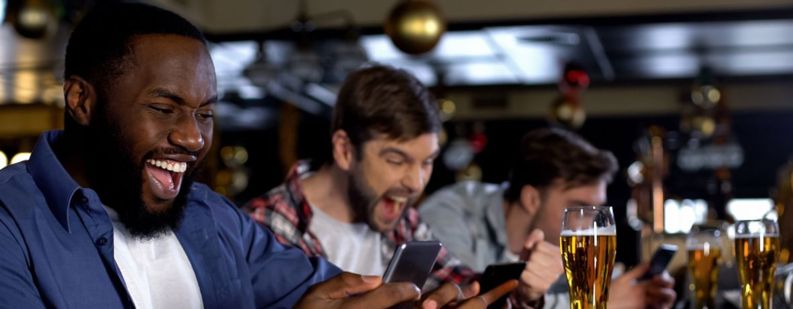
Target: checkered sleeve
274	212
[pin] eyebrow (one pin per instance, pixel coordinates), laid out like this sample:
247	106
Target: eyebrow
435	154
399	152
584	203
165	93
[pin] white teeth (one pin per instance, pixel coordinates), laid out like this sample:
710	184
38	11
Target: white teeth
398	199
173	166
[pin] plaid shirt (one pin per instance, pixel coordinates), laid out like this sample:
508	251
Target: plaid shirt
287	213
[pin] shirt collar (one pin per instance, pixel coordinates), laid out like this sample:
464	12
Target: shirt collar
51	177
495	216
300	170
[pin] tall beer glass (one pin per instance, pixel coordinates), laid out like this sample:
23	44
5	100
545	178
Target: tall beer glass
704	246
756	252
589	246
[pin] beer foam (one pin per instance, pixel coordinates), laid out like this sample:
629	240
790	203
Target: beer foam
756	235
704	246
603	231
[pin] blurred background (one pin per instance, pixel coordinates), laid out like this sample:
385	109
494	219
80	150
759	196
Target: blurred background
692	96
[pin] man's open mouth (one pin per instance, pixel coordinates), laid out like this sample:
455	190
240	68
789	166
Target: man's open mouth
392	207
165	177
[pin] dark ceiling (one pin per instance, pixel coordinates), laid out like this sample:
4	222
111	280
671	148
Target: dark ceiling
635	49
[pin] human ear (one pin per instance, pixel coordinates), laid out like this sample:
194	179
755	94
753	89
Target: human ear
343	150
80	97
530	199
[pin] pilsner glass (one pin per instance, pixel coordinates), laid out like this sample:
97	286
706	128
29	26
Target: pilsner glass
704	246
589	245
756	252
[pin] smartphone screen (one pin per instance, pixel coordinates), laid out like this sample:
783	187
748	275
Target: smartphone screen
661	258
412	262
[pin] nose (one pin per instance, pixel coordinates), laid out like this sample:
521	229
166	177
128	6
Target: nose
187	134
414	179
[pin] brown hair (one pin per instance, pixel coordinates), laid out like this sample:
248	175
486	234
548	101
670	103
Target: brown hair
384	100
548	154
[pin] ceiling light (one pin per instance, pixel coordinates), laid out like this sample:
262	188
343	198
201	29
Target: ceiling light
34	20
415	26
261	71
3	158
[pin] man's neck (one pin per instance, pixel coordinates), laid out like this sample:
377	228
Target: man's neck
517	222
326	189
71	155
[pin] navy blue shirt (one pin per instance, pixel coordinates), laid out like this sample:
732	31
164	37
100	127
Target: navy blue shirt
56	246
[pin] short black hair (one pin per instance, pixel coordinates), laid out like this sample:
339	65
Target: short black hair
100	43
382	100
549	154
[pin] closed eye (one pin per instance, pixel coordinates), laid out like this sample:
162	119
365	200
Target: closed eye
161	108
395	162
206	115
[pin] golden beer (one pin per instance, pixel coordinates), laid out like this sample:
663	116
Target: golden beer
588	262
756	263
703	265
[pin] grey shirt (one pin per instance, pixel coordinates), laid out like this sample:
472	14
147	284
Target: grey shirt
468	218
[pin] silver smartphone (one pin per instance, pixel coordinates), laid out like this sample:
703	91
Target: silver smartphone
412	262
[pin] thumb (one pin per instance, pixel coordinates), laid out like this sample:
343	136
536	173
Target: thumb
471	290
347	284
636	272
535	237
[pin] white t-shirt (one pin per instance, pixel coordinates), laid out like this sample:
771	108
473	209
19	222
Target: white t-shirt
352	247
156	271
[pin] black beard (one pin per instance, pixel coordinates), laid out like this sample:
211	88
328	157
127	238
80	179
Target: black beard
118	181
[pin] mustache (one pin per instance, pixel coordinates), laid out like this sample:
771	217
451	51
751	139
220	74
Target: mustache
411	196
170	151
192	167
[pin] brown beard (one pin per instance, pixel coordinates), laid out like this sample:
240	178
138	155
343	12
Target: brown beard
363	199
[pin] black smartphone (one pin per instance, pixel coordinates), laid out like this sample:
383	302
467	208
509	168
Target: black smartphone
497	274
661	258
412	262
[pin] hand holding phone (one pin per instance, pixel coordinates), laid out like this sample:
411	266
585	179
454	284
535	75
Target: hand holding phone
661	258
497	274
412	262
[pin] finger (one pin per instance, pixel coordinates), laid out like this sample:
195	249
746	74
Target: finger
347	284
664	280
663	296
538	282
471	290
636	272
385	296
547	247
447	293
496	293
543	261
546	261
536	236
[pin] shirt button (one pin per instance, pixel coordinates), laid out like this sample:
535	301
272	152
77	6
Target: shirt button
101	241
83	200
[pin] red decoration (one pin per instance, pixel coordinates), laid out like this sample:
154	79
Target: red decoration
478	142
